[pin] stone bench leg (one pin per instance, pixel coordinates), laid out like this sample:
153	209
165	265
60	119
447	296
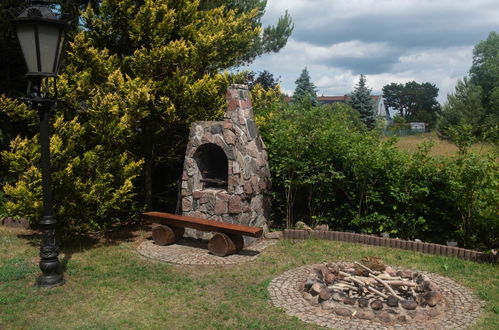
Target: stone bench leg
222	244
163	235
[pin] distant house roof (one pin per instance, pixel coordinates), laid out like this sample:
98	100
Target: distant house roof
378	101
331	99
344	98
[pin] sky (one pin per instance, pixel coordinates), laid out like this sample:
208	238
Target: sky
387	40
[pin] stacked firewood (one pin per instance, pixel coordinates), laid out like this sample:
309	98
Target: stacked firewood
369	284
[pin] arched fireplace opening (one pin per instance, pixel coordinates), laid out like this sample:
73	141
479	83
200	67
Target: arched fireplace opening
213	165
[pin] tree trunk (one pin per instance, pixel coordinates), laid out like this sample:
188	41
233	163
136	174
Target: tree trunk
148	168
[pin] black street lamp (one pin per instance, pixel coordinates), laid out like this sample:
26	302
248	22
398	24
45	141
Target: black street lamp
41	35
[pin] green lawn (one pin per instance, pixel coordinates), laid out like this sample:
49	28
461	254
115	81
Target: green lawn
110	286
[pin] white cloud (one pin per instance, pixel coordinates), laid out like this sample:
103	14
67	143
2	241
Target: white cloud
390	41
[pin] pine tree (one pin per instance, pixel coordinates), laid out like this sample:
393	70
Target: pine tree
362	101
464	106
305	89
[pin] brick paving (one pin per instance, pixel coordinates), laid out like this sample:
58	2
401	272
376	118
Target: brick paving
195	252
463	308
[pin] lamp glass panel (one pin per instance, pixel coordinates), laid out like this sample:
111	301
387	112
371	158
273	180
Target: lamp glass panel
61	45
48	35
26	36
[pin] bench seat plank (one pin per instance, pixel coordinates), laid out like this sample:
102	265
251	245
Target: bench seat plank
201	224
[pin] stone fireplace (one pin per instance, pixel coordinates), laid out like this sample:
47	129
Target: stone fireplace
226	175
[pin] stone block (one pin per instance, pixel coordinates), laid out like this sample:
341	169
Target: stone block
243	93
221	206
228	218
260	160
248	189
187	203
199	131
232	106
250	167
235	204
229	152
229	136
234	180
252	131
207	137
245	219
245	206
223	196
217	128
236	168
233	116
208	199
255	183
257	203
241	120
252	149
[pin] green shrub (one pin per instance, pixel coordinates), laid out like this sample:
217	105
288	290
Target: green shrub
327	168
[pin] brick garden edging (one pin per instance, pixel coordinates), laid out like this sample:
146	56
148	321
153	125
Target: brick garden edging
14	223
430	248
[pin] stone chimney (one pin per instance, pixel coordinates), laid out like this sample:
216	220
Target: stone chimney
226	175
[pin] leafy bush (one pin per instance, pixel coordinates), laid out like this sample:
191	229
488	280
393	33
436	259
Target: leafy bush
92	171
328	168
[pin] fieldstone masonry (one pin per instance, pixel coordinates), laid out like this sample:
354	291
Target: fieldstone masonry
226	175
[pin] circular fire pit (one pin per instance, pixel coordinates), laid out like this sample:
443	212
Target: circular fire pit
353	296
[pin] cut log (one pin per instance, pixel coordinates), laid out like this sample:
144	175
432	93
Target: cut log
163	235
222	244
386	286
401	283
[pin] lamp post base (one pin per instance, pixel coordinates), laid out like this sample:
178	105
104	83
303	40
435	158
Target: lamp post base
49	256
49	281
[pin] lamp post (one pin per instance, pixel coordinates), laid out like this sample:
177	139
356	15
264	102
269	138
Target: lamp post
41	36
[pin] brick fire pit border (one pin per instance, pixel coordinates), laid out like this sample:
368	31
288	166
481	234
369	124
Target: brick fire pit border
462	312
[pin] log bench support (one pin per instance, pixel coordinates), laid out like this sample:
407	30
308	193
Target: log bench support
163	234
227	238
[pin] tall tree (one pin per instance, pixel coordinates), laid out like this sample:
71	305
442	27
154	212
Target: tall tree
264	78
362	101
464	106
305	89
414	101
137	75
475	101
484	71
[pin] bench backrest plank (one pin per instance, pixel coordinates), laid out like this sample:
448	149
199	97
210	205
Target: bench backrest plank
202	224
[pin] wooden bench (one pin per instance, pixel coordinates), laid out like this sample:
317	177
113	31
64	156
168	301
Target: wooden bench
227	238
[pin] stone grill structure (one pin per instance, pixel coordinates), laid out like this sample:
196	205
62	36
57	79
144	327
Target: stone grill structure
226	175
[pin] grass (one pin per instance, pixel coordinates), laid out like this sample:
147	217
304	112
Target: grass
441	147
109	286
